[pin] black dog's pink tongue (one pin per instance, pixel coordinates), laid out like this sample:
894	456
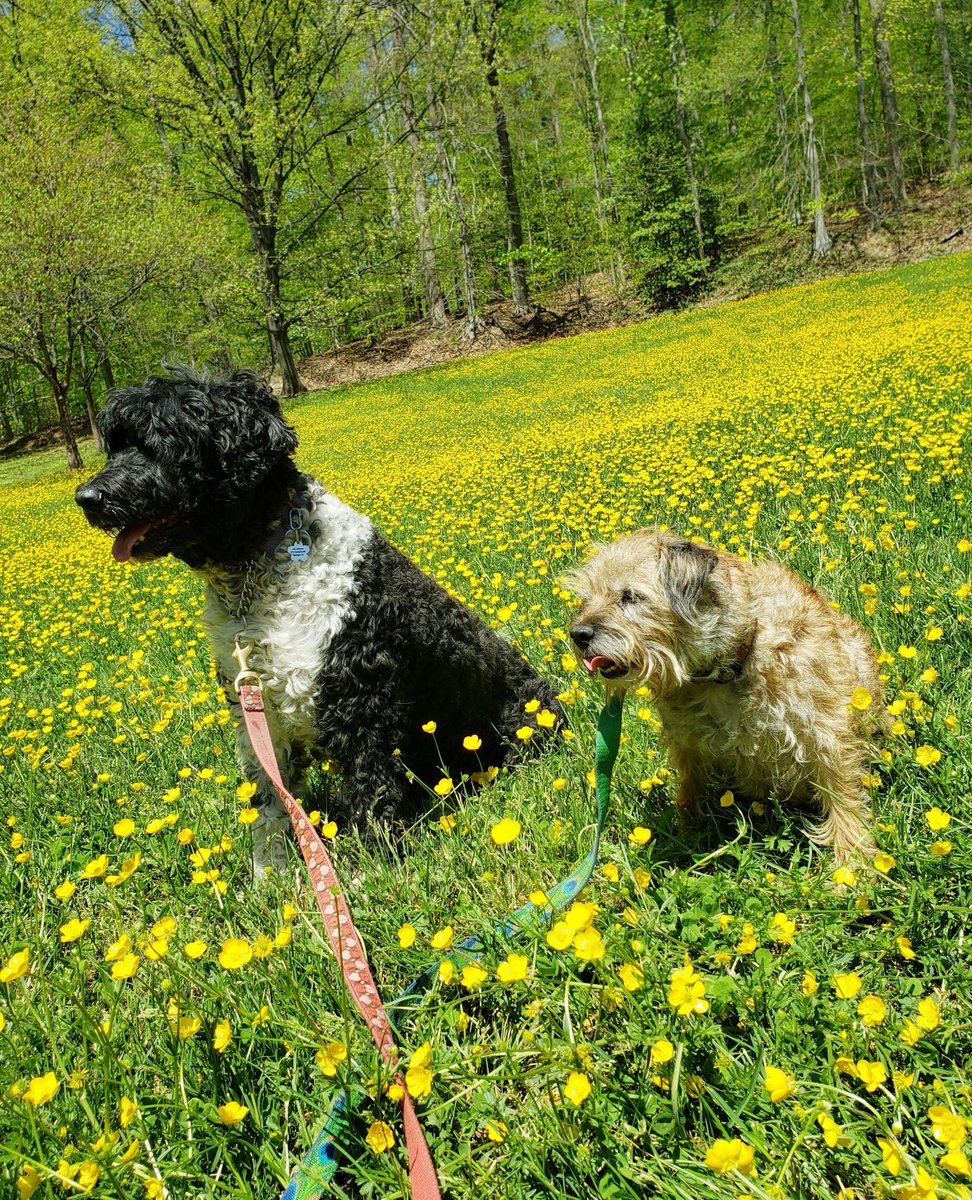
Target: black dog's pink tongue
594	664
125	542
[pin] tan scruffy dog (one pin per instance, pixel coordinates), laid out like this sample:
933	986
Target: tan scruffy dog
751	669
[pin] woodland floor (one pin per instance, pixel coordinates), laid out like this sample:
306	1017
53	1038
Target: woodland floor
938	222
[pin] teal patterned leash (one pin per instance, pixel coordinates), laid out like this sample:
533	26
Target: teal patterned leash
319	1166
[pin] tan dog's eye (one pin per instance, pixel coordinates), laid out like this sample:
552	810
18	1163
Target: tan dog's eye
628	597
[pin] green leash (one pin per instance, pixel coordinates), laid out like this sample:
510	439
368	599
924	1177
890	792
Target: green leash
320	1164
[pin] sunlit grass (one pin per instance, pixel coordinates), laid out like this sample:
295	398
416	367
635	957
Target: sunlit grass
824	425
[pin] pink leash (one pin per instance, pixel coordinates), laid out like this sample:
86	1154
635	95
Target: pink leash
341	933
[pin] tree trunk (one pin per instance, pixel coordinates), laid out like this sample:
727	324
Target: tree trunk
473	325
435	306
889	106
954	156
283	357
47	363
278	333
60	393
87	371
871	188
790	186
589	58
821	238
5	425
514	237
676	55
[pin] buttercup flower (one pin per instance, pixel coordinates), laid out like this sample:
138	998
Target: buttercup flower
235	954
473	976
632	977
231	1113
662	1051
442	940
513	969
733	1154
577	1088
871	1074
330	1057
686	991
872	1010
778	1084
505	831
418	1077
73	929
929	1015
379	1137
847	986
41	1089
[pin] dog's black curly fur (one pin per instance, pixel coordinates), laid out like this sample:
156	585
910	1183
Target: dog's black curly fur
203	470
413	655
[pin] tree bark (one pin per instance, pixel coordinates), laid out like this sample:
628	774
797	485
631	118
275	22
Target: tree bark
869	180
435	305
822	241
889	105
676	56
790	185
487	47
47	363
59	392
87	371
5	426
262	236
954	154
283	355
589	57
473	325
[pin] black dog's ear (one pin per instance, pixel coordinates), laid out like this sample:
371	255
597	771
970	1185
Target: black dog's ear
276	435
253	387
281	439
685	570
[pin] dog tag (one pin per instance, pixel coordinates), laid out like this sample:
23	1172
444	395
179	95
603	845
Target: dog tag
299	552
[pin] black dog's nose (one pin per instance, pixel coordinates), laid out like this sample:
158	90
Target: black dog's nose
582	635
89	496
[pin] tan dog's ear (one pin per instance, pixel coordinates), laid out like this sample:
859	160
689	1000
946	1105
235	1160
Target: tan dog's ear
685	570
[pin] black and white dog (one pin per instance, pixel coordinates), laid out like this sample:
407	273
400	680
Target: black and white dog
356	647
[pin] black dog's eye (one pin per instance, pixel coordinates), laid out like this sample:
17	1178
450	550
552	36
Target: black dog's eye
628	597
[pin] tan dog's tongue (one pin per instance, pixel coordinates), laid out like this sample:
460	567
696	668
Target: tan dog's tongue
594	664
124	544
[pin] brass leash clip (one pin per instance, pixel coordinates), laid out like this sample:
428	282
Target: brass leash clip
246	674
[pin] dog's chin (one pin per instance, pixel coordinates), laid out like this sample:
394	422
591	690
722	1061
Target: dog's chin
606	667
660	672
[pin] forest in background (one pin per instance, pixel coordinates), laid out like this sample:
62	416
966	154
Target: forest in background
247	182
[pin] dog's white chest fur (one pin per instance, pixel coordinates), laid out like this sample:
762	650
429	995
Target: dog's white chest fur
298	609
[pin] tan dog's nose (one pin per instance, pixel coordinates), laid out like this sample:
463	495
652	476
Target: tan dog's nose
582	635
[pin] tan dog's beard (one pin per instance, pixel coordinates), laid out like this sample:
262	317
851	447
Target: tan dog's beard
648	662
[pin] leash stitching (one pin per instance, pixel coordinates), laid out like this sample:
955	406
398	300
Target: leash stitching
347	947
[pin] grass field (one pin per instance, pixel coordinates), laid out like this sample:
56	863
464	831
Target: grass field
726	1019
